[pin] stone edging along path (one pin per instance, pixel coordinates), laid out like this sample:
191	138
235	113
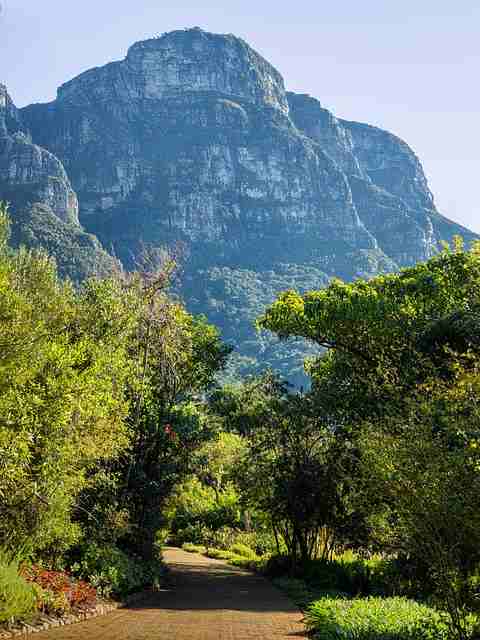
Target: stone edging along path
44	623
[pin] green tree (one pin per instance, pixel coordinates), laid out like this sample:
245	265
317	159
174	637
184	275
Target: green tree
177	357
63	366
398	387
372	330
425	466
291	473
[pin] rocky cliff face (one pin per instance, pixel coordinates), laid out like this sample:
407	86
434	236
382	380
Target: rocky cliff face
26	166
388	186
9	117
193	139
181	61
44	205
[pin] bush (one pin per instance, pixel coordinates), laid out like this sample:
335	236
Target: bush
261	543
349	574
193	548
277	566
17	597
192	534
113	572
220	554
295	589
374	619
298	591
258	543
242	550
251	564
57	592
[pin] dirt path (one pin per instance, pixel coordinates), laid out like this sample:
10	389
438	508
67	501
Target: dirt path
210	600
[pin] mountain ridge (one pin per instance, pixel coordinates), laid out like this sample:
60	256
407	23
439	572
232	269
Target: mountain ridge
193	138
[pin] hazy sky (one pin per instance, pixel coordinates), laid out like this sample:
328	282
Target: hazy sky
410	66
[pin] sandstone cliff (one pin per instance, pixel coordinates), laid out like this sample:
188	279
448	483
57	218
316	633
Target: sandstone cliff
44	207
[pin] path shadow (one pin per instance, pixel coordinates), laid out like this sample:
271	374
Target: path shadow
203	590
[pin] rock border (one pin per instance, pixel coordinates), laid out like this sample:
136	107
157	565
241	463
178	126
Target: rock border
45	623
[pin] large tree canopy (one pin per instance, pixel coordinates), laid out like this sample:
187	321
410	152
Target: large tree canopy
385	334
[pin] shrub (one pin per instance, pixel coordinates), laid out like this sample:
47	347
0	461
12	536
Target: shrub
258	543
348	573
374	619
193	548
252	564
192	534
242	550
298	591
17	597
57	592
277	566
112	571
220	554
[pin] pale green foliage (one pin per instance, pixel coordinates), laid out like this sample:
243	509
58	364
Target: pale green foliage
209	500
63	364
373	329
374	619
218	461
247	559
242	550
17	597
193	548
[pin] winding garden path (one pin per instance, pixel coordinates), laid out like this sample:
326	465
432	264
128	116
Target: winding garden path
209	600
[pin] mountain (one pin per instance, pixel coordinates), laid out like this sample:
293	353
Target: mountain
193	140
43	205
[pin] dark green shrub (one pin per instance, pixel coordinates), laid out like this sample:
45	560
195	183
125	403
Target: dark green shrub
298	591
113	572
295	589
349	574
278	566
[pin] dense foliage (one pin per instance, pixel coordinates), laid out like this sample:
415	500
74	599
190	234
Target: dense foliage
359	496
398	389
101	409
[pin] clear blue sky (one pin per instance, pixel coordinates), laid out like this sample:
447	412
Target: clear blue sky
411	66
